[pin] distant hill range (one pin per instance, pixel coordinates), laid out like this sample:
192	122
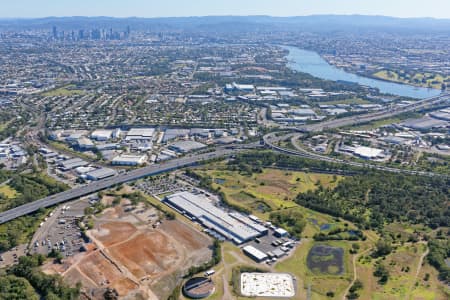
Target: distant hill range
316	23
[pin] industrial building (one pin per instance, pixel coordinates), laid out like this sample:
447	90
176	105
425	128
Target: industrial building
396	140
85	144
232	226
101	135
254	253
306	112
129	160
111	146
240	87
140	135
425	123
280	232
171	134
84	170
368	153
186	146
200	133
72	164
100	174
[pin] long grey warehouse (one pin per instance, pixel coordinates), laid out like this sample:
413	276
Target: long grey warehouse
233	226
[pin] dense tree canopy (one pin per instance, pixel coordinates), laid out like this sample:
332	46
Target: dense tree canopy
367	197
439	252
375	198
27	277
29	187
16	288
291	219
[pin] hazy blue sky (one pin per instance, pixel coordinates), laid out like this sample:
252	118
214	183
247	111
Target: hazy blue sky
164	8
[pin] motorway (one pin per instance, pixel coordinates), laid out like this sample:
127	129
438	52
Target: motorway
383	114
118	179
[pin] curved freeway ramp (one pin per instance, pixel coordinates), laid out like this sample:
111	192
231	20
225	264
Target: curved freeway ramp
270	140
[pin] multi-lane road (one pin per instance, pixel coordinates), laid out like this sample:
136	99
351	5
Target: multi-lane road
118	179
383	114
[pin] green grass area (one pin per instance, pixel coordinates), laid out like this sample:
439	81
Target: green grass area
346	101
69	90
272	188
320	283
65	148
376	124
218	293
402	265
387	75
4	125
430	289
383	122
8	191
431	80
277	190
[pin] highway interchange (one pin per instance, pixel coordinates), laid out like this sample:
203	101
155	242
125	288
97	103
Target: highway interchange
270	141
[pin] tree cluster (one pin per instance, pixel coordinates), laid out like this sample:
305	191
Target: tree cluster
35	284
291	219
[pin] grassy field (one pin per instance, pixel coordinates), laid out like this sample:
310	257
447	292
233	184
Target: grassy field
65	148
346	101
320	283
383	122
5	125
402	265
276	189
8	191
64	91
432	80
270	190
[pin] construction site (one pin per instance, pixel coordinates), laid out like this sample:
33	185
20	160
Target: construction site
136	251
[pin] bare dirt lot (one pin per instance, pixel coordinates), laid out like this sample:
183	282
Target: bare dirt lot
135	254
186	235
114	232
148	254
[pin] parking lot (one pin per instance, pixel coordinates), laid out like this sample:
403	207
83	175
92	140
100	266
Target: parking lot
11	257
162	185
60	231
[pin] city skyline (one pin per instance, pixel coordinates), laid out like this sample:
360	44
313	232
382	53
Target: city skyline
176	8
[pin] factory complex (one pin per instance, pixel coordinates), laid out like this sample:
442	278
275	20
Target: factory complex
230	225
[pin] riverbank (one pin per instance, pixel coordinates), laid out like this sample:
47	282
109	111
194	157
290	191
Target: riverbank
312	63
